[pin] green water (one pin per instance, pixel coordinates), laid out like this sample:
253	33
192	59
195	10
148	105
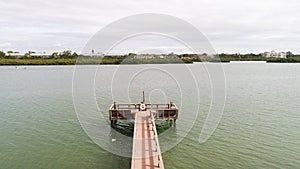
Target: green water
260	127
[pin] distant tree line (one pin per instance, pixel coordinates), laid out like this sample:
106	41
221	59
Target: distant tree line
252	55
68	54
2	54
70	58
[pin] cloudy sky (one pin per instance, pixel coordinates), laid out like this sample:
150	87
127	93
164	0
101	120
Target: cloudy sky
231	26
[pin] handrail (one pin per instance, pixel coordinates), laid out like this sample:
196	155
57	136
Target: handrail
160	160
133	144
148	106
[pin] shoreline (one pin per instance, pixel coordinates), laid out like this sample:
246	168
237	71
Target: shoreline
112	61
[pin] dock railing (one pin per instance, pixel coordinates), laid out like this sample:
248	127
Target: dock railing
133	145
160	163
126	111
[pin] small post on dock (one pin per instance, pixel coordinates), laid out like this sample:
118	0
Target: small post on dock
115	106
143	97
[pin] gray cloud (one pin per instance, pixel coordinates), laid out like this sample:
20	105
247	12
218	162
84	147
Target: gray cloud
231	25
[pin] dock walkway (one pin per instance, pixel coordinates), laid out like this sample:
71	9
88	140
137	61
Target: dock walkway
146	152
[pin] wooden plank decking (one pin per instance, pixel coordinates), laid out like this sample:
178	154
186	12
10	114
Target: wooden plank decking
146	152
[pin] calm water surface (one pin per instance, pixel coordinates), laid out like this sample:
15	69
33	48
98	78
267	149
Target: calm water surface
260	127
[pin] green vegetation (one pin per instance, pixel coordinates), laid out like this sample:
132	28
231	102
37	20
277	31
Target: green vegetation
2	54
39	61
64	55
291	58
83	61
71	58
30	58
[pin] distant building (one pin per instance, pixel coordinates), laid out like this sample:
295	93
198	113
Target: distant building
203	56
42	55
17	55
32	54
144	56
94	55
274	54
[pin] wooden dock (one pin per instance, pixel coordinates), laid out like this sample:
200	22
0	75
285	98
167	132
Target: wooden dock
146	152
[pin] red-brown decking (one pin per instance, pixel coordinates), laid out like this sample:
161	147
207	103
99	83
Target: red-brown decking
146	152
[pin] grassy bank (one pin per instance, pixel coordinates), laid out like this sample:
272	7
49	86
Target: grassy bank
86	61
122	60
8	62
269	60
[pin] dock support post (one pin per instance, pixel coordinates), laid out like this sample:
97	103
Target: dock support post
113	122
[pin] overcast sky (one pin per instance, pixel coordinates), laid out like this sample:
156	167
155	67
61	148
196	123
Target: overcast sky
232	26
